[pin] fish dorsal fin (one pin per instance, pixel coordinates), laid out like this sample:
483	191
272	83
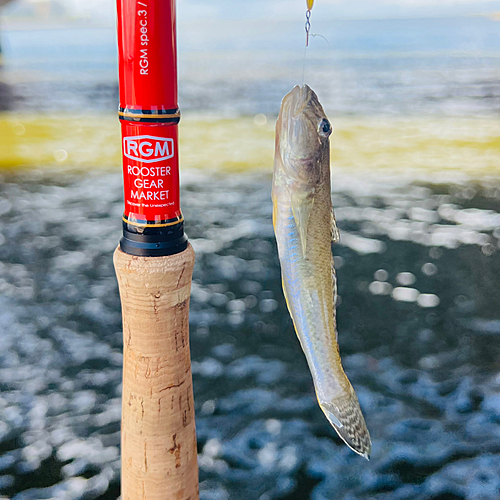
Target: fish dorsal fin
302	205
335	229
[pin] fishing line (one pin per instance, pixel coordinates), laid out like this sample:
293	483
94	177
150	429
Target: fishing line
304	67
308	34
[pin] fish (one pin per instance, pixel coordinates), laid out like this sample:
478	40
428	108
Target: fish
305	227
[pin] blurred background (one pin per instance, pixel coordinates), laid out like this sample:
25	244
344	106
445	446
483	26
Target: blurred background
412	89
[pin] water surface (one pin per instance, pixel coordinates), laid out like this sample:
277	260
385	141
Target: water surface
418	268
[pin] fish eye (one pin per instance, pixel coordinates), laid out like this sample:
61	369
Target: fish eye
325	128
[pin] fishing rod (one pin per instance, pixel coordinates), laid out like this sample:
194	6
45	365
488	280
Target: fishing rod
149	114
154	263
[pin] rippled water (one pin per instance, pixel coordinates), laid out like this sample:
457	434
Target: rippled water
418	268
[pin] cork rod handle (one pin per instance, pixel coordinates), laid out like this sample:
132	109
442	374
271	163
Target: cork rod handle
159	458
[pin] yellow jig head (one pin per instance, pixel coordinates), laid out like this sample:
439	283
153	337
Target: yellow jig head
310	4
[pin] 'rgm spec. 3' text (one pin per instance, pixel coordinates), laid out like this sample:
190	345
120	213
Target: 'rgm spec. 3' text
143	28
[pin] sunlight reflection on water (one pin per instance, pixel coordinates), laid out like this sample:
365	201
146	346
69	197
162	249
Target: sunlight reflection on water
416	319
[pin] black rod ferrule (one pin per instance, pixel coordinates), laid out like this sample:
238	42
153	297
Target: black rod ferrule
144	241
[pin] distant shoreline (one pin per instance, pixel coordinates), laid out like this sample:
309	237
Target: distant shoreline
14	23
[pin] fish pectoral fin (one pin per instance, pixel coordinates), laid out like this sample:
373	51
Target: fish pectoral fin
302	205
347	419
335	229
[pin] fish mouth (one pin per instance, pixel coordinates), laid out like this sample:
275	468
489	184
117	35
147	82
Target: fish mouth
294	111
301	102
297	100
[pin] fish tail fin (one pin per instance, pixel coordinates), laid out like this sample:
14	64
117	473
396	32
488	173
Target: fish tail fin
344	413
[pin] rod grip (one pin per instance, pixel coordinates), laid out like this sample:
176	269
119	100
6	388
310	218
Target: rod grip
158	441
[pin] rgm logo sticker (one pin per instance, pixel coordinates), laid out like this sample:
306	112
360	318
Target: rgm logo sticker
147	148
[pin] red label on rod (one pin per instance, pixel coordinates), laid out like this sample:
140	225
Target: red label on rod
151	173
